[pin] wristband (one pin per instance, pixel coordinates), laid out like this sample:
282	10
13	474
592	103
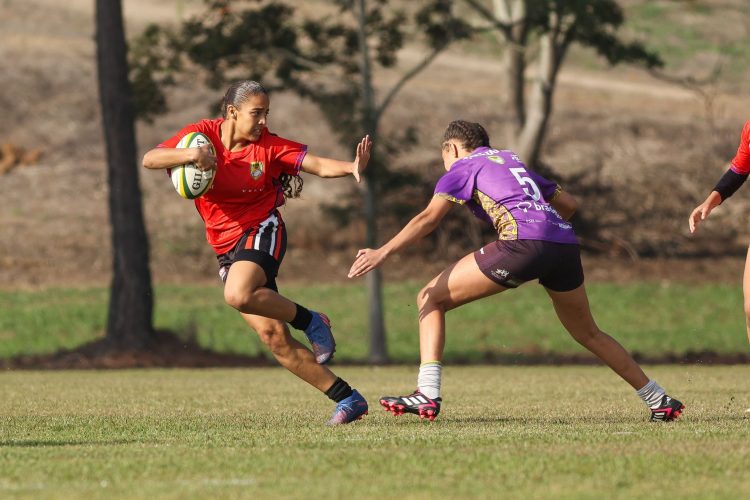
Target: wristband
729	183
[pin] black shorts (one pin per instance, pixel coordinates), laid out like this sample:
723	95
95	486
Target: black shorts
511	263
264	244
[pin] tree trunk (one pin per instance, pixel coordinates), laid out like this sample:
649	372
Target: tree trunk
374	279
378	348
540	105
515	67
129	322
514	60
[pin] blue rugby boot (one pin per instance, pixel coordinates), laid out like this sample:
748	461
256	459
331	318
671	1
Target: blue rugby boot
350	409
321	338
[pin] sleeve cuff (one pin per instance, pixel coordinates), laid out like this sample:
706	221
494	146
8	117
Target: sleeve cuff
298	162
557	192
448	197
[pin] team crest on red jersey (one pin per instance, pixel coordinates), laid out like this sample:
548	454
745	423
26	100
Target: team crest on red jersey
256	169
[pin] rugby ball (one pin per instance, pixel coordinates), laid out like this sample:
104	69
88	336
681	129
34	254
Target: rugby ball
189	181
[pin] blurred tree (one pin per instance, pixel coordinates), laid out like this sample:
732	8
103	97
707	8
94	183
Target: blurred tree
129	323
368	36
329	60
546	29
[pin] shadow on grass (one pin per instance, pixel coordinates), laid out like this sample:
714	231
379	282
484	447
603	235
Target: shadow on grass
572	422
168	350
165	350
537	357
49	443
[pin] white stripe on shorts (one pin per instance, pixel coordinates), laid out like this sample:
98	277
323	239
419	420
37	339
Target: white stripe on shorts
272	219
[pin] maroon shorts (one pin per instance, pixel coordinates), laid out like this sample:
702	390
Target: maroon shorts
264	244
511	263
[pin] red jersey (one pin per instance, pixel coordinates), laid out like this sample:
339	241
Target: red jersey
246	187
741	162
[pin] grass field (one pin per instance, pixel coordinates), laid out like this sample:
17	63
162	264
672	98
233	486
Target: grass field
648	317
523	432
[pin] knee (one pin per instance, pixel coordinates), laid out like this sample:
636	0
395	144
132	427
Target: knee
238	298
427	298
747	309
586	335
421	298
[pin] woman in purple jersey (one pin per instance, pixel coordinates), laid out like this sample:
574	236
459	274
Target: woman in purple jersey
535	241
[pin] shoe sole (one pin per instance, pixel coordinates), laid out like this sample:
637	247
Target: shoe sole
399	409
359	417
674	416
678	412
327	322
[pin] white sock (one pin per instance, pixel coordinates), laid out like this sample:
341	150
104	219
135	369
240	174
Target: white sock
429	379
651	394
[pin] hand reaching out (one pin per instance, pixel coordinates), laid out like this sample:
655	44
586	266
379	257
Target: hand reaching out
367	259
363	156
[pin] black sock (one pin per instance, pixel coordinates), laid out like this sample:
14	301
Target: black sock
302	318
339	390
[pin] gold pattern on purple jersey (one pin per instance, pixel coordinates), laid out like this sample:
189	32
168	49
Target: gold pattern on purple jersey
502	220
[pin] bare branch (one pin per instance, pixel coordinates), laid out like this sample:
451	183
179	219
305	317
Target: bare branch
689	82
508	14
504	27
288	54
407	76
563	41
705	88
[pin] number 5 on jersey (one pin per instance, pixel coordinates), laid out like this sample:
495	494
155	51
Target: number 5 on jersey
521	176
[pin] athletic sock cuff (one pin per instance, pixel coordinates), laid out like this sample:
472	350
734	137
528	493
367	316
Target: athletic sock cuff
646	389
302	318
339	390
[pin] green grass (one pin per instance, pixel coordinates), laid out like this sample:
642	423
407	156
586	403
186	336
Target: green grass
647	317
680	31
524	432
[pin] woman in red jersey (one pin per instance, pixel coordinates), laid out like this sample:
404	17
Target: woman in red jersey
735	176
255	171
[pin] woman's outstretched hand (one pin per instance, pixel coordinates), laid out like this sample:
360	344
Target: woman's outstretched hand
363	156
367	259
703	210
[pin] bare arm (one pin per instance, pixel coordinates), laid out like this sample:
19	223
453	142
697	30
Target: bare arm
203	156
327	167
565	205
420	226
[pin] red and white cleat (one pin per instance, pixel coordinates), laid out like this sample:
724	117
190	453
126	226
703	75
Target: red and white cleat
669	409
416	403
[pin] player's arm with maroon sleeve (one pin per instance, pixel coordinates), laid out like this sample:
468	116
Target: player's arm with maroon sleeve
729	183
328	167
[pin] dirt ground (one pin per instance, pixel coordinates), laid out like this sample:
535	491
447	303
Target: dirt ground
643	154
